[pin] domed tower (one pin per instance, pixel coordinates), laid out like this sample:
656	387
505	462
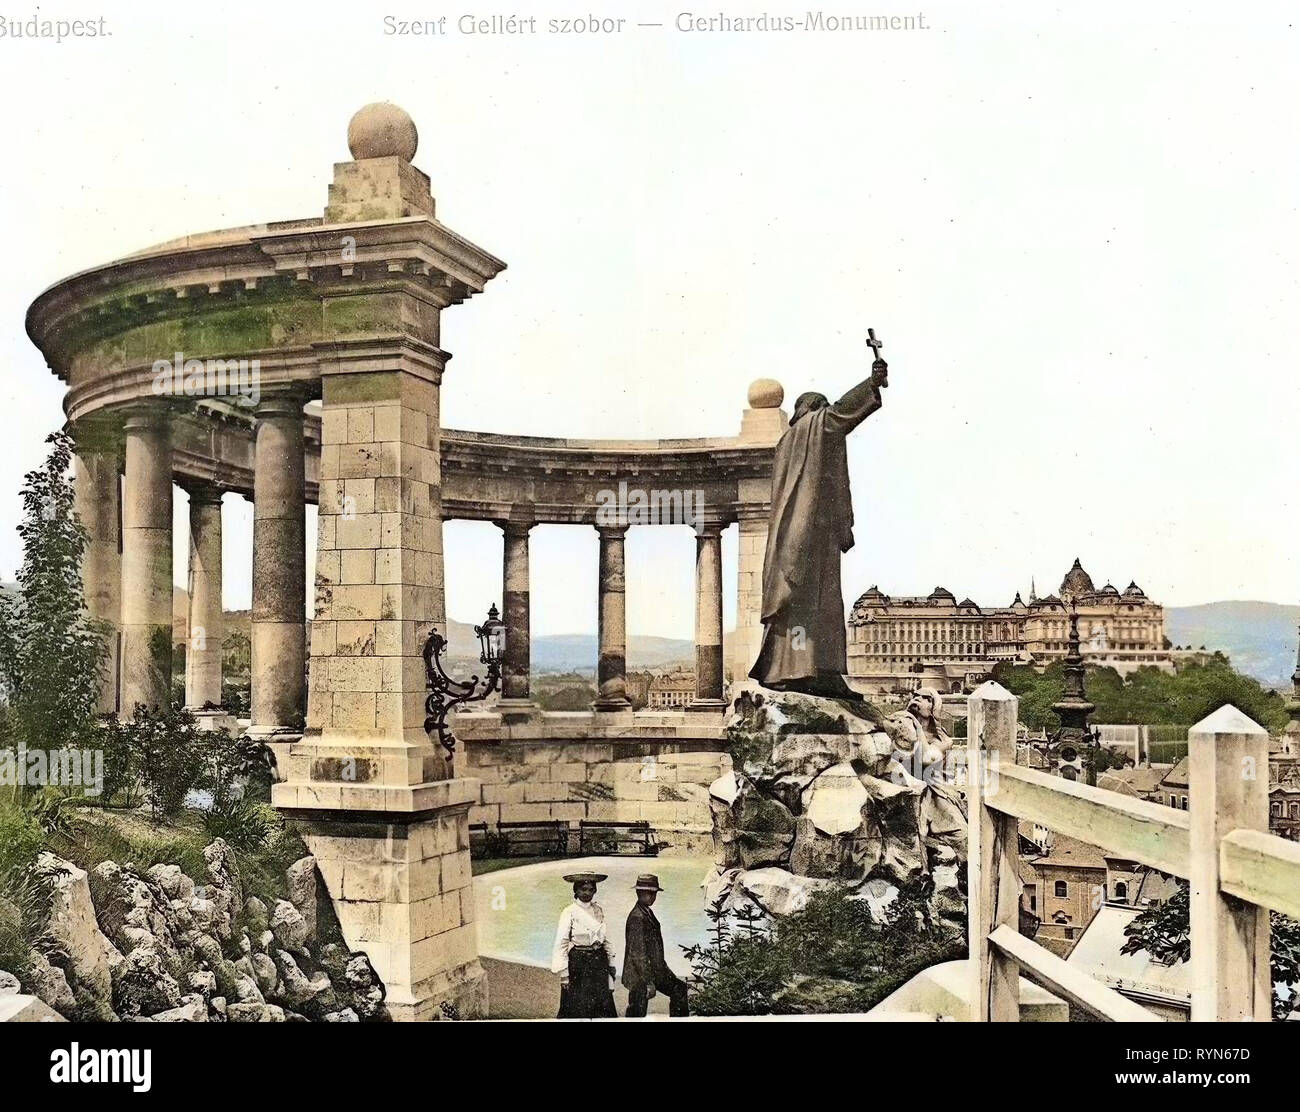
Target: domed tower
1076	583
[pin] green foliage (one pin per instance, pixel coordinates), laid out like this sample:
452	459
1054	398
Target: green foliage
747	968
24	896
51	810
245	825
1164	931
51	653
167	751
239	767
1147	696
161	755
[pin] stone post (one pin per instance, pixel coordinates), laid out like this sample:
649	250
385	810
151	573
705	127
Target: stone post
1227	789
993	884
708	618
207	619
279	568
97	490
611	669
516	663
147	561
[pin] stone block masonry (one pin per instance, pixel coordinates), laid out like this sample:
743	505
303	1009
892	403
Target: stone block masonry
560	768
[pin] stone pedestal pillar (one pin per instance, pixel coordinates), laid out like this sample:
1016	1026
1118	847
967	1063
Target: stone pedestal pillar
751	545
374	796
397	864
207	619
147	561
97	490
611	669
708	619
515	664
279	569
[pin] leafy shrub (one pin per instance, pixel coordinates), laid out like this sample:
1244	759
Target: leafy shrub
237	768
245	825
24	897
50	808
748	968
1164	931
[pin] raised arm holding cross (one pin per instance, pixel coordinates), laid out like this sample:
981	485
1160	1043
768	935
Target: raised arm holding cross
879	368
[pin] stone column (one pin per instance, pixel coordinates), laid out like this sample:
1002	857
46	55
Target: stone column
516	663
708	618
611	669
207	619
751	545
279	568
147	561
97	490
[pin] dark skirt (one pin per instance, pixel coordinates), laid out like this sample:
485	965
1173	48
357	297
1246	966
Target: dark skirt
587	995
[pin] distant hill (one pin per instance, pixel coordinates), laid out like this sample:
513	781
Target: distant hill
567	652
1259	637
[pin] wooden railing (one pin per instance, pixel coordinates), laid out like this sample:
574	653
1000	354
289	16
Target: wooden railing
1236	869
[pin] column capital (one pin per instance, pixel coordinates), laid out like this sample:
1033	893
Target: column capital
284	400
612	532
710	528
146	416
202	492
513	528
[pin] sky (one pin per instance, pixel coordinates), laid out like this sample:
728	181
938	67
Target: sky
1075	233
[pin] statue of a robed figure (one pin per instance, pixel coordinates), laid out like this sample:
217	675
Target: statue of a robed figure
810	527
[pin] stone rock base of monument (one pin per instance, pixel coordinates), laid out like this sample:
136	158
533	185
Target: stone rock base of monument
832	793
401	889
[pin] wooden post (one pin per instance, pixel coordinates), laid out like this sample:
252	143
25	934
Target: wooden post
1227	787
994	885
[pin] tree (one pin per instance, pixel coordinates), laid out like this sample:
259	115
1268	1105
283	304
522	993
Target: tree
1147	696
51	652
1164	931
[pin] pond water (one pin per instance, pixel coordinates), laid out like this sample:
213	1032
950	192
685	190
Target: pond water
517	909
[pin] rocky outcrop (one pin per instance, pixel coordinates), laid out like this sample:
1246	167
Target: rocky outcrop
91	958
829	791
155	946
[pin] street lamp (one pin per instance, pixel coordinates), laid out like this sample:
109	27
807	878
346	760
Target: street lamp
446	693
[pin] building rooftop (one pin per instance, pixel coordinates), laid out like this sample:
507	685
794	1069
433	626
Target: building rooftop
1176	777
1067	851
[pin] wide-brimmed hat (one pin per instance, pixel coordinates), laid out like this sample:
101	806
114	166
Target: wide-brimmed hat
578	878
647	882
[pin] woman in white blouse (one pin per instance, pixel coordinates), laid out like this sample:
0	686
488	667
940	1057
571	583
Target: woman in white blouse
583	956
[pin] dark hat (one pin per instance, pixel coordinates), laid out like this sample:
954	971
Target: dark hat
647	882
578	878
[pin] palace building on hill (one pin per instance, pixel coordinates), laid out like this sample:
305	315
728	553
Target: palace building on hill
900	643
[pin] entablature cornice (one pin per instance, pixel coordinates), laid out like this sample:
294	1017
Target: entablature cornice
416	256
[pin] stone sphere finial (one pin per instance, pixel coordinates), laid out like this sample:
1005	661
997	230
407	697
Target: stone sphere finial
382	130
766	393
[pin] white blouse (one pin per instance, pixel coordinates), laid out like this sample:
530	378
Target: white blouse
581	924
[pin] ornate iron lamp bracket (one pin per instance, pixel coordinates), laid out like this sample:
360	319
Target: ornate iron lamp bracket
446	693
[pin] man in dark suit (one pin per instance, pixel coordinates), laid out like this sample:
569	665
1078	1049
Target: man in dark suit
645	971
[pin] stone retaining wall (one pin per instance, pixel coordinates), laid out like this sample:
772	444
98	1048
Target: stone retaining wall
657	769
